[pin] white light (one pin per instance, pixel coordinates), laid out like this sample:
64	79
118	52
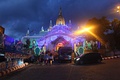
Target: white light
77	59
1	54
118	11
118	7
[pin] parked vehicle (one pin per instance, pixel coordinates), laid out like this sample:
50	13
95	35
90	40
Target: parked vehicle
2	58
64	54
88	58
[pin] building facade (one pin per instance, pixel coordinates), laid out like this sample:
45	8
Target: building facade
59	35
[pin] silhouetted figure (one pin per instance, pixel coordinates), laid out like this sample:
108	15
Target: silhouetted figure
46	57
51	59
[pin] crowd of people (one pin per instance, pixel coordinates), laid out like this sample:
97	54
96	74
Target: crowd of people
46	58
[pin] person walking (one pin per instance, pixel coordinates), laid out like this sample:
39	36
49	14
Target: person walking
72	57
42	58
51	59
46	57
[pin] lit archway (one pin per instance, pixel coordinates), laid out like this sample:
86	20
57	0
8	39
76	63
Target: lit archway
59	45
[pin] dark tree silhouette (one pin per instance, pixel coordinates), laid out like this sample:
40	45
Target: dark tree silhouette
27	43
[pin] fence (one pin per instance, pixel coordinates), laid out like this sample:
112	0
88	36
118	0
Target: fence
9	64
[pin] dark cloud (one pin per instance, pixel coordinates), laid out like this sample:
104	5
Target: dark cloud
17	15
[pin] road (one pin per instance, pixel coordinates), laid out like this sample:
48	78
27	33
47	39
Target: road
107	70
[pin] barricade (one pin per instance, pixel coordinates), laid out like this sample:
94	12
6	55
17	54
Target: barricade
3	73
7	71
11	65
112	57
26	64
2	66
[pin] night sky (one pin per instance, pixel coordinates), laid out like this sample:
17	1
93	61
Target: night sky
16	16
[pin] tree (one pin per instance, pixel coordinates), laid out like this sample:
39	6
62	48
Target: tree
114	37
27	44
101	25
112	29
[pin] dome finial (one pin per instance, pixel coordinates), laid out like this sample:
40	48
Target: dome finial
60	12
28	32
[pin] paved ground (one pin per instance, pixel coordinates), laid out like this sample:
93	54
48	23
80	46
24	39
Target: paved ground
107	70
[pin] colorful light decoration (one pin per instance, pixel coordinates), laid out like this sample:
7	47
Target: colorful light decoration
57	30
37	51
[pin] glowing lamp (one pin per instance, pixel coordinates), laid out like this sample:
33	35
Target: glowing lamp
118	11
118	7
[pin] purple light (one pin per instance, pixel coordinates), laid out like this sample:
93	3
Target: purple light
8	40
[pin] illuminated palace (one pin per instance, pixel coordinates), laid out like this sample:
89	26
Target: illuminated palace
59	35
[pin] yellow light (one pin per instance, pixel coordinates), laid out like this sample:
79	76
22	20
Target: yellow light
118	11
97	37
118	7
78	32
90	32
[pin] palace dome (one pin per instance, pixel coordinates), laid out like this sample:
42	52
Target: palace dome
60	19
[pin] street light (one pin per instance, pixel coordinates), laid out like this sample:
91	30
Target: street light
88	30
78	32
118	9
